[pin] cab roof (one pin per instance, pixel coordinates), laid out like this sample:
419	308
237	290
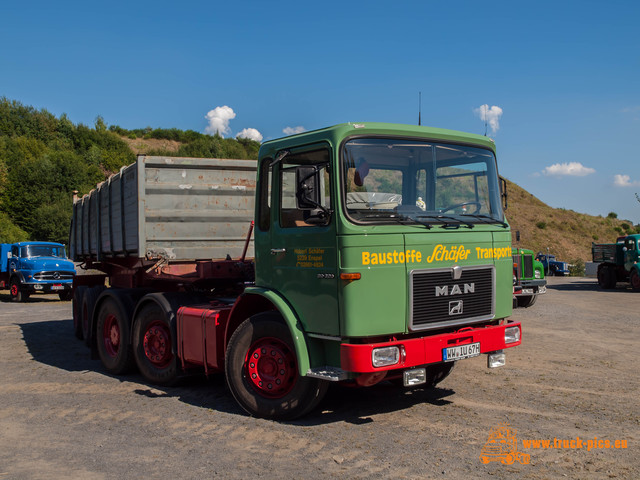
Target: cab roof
335	134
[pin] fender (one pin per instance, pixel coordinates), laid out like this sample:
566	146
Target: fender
288	314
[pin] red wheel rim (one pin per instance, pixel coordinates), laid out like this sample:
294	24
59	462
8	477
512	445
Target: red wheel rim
111	335
14	290
271	367
157	344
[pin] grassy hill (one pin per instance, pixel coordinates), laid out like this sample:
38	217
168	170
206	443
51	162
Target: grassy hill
565	233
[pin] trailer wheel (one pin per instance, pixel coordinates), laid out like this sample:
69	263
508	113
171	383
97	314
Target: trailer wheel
262	370
89	298
153	347
634	279
527	300
113	338
17	294
76	308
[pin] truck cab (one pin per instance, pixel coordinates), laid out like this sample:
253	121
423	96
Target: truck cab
36	267
552	266
377	236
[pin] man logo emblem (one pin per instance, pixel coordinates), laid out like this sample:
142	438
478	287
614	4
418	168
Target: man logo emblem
455	307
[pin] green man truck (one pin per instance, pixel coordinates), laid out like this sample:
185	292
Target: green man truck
528	277
618	262
357	253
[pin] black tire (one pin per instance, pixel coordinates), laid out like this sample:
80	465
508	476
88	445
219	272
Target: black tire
113	337
606	277
269	387
634	280
66	295
438	372
154	345
17	294
76	308
87	314
527	301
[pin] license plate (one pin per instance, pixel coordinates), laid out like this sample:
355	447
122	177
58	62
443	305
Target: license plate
527	291
57	287
461	351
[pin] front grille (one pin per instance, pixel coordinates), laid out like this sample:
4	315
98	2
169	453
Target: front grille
438	300
53	276
527	266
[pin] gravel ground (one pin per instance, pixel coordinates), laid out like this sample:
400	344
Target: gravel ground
574	377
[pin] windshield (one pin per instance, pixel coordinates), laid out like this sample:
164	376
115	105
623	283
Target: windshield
387	180
43	251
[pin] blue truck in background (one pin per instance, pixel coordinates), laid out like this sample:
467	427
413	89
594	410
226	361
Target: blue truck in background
35	267
553	267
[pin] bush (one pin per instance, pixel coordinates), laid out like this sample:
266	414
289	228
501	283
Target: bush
625	226
577	268
612	215
541	225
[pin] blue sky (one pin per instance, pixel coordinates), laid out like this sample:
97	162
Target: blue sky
561	79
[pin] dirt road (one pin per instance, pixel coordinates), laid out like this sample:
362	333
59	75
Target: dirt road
575	377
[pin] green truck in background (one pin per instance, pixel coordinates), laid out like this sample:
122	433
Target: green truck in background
618	262
381	253
528	277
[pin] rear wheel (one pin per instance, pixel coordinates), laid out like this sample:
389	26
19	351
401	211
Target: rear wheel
153	345
76	308
634	279
17	294
113	338
606	277
89	299
262	370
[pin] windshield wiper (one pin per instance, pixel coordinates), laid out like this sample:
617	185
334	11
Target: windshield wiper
401	219
489	218
456	221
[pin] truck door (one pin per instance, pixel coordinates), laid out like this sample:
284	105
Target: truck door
303	240
631	254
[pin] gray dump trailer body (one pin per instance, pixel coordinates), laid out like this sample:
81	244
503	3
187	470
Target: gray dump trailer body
172	208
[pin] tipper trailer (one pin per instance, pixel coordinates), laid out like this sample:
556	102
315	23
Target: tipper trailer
381	253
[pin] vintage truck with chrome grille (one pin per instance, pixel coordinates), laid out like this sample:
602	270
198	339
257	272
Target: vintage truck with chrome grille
380	252
528	277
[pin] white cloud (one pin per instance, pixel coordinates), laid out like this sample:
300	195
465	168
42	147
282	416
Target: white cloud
491	115
219	119
251	134
624	181
294	130
572	169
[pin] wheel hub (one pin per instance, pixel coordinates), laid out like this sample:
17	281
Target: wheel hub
271	367
111	335
157	344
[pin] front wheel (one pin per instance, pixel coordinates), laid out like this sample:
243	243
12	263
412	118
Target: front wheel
153	346
262	370
634	279
527	300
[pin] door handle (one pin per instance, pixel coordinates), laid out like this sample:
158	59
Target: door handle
275	251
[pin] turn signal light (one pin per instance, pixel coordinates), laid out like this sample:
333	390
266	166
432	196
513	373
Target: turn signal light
350	277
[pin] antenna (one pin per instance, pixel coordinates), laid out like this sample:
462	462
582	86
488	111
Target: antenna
419	108
486	114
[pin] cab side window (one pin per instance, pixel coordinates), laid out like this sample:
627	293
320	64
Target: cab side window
305	199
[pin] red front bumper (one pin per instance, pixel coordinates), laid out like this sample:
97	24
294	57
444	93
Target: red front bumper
415	352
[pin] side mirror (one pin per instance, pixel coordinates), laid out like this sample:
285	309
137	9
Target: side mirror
307	188
503	192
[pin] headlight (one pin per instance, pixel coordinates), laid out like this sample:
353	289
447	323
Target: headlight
537	274
385	356
511	335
